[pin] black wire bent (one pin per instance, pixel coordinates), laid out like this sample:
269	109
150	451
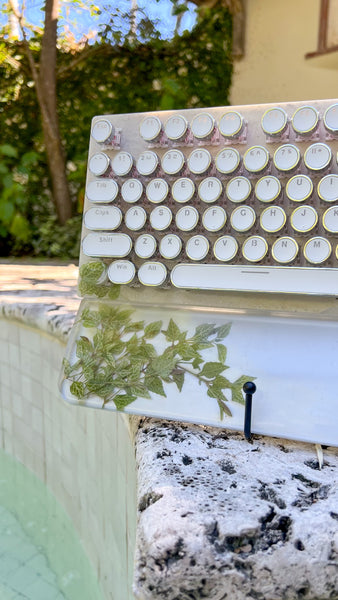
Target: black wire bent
249	389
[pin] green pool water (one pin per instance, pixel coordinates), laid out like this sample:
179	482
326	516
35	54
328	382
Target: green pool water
41	557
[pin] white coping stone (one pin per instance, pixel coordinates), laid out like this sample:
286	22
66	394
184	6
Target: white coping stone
221	518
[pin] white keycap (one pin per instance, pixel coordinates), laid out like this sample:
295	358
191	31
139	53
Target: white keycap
199	161
173	162
152	273
102	131
238	189
183	190
274	121
99	164
176	127
305	119
157	190
132	190
103	218
122	163
102	190
317	157
225	248
145	245
187	218
328	188
121	272
197	247
150	128
254	248
243	218
317	250
214	218
331	118
284	250
256	159
170	246
304	218
160	218
202	125
210	189
108	244
273	219
135	218
231	124
268	188
286	157
330	219
299	188
147	163
227	160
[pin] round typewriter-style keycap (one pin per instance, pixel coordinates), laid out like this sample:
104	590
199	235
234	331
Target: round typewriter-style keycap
170	246
317	250
102	190
145	245
187	218
286	158
214	218
157	191
254	248
197	247
202	125
317	157
299	188
150	128
243	218
328	188
256	159
303	219
135	218
122	163
103	131
147	163
238	189
121	272
107	244
173	162
103	218
225	248
99	164
231	124
176	127
183	190
268	188
152	273
273	219
305	119
199	161
331	118
160	218
330	219
274	121
210	189
132	190
284	250
227	160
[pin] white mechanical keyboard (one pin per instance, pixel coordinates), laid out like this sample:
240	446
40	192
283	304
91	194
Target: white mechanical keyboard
229	198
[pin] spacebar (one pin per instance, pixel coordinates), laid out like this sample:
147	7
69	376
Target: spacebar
294	280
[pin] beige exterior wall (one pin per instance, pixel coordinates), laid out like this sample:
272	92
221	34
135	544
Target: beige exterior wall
274	69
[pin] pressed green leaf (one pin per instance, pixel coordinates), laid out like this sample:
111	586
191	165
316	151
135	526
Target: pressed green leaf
113	291
163	365
216	393
212	369
154	384
242	380
122	400
178	378
203	332
222	352
223	331
237	395
196	363
67	367
147	350
224	409
90	318
173	332
221	382
84	347
139	391
153	329
77	388
92	271
136	326
186	351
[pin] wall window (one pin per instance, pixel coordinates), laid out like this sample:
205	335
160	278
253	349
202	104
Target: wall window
328	28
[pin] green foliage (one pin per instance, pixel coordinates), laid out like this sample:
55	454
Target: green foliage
92	277
119	364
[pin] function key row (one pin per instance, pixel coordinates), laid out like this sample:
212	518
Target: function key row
231	125
286	159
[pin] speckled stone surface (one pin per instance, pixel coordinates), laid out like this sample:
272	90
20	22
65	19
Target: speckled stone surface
220	518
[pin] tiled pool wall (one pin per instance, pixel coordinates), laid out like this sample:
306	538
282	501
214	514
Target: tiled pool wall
85	457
